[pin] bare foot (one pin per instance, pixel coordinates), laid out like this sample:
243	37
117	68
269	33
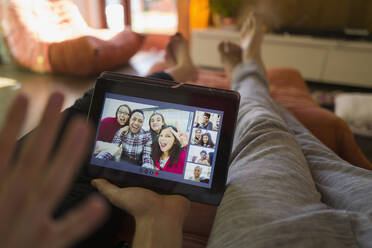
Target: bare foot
252	34
169	57
177	56
231	56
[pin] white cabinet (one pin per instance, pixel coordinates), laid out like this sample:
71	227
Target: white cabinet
321	60
309	60
350	64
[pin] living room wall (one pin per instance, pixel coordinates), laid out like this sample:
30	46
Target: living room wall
317	14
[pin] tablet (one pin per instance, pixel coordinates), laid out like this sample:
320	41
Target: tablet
170	137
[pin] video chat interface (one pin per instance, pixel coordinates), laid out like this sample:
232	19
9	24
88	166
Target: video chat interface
197	128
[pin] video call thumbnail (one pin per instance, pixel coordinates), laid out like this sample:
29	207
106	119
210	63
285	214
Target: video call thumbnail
198	173
207	120
202	137
200	155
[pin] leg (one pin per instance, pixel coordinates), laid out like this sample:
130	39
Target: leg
271	199
342	186
177	56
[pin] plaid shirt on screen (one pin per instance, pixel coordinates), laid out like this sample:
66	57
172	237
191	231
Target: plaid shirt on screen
135	146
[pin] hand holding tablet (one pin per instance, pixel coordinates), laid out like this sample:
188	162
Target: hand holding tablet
159	218
157	136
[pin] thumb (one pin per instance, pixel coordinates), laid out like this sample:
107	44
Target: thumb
133	200
107	189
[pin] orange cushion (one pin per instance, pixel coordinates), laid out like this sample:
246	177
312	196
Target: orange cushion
89	55
289	88
52	36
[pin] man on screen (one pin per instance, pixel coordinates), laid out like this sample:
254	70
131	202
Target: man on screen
197	137
206	124
136	143
203	158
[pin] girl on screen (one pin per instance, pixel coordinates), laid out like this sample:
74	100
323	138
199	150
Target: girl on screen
156	123
110	125
168	153
206	140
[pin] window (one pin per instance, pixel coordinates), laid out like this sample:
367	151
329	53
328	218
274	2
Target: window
115	14
154	16
144	16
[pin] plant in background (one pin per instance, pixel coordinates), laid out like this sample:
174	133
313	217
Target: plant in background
226	8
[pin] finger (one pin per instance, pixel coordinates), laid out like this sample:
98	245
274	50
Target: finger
177	126
226	48
12	126
220	48
66	163
80	222
136	201
121	198
27	171
37	147
107	189
175	134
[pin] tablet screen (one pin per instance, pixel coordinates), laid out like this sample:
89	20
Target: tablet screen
158	139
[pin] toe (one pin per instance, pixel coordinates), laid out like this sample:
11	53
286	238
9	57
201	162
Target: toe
221	47
227	47
249	23
236	48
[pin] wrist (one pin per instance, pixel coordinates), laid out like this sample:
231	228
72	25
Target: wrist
158	231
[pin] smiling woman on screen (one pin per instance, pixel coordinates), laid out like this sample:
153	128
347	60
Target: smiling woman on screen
168	153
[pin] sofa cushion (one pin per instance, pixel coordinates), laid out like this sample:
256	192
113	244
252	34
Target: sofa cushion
52	36
89	55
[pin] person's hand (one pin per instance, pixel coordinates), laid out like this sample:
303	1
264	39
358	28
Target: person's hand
32	184
111	148
204	162
197	119
175	134
182	137
159	218
97	148
123	131
118	151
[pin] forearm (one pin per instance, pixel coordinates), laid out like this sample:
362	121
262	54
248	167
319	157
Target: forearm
158	231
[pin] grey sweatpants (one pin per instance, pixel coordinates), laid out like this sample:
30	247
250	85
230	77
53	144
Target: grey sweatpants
285	188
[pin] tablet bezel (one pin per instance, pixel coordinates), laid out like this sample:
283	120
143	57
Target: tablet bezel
172	92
